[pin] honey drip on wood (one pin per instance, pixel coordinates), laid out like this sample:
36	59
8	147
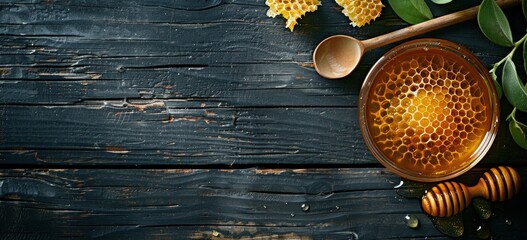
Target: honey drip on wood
452	226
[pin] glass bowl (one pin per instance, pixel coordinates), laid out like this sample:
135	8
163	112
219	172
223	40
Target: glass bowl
428	110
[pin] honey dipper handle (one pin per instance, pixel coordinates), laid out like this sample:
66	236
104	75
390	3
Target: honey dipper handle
430	25
497	184
449	198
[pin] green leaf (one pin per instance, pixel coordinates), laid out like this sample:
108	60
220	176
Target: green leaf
524	8
497	85
494	24
441	1
411	11
519	132
525	55
512	86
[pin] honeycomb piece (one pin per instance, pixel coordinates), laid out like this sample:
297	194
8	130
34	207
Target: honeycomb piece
291	9
428	112
361	12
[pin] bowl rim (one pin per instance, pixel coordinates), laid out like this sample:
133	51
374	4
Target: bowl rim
443	44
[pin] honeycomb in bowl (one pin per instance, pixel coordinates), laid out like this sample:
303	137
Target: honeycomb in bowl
361	12
291	10
427	111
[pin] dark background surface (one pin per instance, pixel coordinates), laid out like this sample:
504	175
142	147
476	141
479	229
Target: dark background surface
203	119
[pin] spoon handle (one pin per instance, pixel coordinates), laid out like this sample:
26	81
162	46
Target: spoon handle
449	198
429	25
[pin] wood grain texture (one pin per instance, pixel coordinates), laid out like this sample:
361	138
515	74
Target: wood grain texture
192	204
229	52
202	119
179	82
157	133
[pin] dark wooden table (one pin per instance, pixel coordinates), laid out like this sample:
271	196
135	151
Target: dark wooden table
203	119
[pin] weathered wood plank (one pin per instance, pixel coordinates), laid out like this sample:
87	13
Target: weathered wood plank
156	133
227	51
191	204
177	83
219	83
192	133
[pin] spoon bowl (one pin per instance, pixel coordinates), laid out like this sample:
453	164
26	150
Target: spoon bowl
337	56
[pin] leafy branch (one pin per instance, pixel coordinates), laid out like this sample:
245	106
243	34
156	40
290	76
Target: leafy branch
495	26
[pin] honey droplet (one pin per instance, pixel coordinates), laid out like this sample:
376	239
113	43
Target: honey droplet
451	226
411	221
482	208
411	189
305	207
216	233
121	69
483	231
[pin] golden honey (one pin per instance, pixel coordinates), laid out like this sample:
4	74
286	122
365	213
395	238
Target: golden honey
427	111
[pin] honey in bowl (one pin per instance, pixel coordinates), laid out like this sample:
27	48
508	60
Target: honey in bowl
428	110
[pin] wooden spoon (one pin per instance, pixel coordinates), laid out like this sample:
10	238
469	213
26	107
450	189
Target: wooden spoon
338	55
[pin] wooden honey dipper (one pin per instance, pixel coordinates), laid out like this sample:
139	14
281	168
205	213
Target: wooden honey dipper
449	198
